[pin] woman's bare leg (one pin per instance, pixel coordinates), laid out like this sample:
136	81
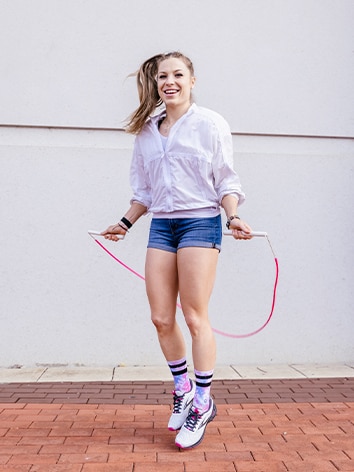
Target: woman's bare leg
197	270
162	290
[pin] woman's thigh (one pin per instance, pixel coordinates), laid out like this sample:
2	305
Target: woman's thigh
161	281
196	272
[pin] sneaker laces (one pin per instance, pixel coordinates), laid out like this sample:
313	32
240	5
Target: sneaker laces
177	401
192	419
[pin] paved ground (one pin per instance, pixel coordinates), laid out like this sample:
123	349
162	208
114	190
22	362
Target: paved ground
263	425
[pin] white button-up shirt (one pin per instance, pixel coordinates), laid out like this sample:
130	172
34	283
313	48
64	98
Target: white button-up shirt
192	174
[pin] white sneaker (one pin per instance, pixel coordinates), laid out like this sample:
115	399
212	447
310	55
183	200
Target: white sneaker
181	406
192	432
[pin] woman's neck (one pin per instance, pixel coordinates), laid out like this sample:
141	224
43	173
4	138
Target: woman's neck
173	114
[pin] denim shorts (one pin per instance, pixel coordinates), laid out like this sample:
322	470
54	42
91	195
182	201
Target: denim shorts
173	234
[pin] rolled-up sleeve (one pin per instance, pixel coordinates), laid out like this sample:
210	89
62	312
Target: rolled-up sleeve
226	179
138	180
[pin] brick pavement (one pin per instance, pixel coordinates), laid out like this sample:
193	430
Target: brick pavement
292	425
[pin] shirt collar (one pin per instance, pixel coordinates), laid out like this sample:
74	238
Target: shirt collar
156	118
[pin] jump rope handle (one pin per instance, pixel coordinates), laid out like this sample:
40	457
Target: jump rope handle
253	233
92	233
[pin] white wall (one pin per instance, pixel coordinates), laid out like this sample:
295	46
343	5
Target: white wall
275	66
62	299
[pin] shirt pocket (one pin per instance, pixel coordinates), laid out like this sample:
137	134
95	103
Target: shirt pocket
192	174
153	166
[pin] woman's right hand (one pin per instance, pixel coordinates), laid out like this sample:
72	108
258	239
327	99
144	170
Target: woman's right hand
112	231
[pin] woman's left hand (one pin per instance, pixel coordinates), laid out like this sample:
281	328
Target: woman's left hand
240	229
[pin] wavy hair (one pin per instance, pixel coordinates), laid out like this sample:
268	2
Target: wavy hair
149	98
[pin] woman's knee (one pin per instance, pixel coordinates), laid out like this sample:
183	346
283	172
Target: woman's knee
196	323
162	323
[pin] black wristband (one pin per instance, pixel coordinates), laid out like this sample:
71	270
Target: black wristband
127	223
230	218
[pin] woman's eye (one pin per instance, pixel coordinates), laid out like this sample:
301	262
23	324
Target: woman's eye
179	75
162	77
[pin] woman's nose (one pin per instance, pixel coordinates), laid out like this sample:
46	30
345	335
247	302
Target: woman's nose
170	79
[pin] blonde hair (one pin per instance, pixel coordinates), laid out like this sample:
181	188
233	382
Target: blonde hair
149	98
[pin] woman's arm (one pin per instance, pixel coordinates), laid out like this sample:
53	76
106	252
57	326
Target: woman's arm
135	211
240	229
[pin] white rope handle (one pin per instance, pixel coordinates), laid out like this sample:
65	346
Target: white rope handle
253	233
93	233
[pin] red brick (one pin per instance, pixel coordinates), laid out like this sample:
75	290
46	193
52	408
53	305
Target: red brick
124	467
241	447
344	465
163	467
34	459
34	441
270	466
133	457
83	458
21	432
310	466
15	468
63	449
87	440
15	449
4	458
210	467
57	468
181	455
228	456
67	432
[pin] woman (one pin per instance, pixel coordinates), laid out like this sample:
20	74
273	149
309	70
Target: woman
182	173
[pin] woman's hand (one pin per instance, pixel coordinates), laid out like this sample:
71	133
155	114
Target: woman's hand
112	231
240	229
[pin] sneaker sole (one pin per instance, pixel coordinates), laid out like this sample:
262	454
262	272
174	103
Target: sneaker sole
172	429
212	416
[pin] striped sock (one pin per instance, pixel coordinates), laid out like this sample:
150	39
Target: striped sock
202	393
180	375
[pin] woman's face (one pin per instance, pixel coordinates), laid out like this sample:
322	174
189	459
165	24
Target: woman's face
174	82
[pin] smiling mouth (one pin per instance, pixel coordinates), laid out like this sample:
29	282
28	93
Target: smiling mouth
170	92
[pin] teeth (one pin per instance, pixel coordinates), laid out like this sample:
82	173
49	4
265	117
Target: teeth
169	92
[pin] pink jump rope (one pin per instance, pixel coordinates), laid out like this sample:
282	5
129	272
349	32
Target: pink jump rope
93	233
